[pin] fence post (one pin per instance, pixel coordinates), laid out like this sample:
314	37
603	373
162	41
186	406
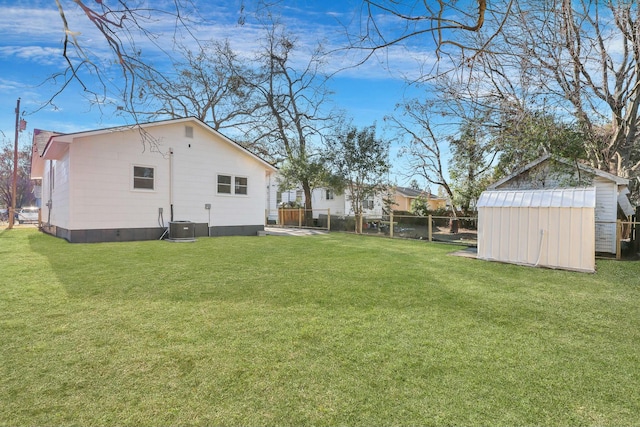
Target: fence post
391	224
300	217
430	226
636	230
328	219
618	239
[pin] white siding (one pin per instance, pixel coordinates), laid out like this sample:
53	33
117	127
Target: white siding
272	198
320	203
376	212
56	192
102	194
102	190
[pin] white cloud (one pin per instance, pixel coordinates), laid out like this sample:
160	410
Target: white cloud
29	24
39	54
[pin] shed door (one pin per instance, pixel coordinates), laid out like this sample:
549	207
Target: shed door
606	215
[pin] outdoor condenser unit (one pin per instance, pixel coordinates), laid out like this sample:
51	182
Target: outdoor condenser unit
182	230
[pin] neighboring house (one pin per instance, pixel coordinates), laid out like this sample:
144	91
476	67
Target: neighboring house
131	182
404	196
342	205
327	200
323	200
550	173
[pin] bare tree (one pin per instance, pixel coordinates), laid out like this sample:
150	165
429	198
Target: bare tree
425	145
24	185
291	118
451	126
210	85
122	25
443	24
584	58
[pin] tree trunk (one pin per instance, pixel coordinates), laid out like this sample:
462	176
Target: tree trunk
308	212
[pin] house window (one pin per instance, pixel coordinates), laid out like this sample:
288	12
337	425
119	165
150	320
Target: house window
224	184
367	204
228	184
329	195
241	185
188	131
278	197
143	178
299	196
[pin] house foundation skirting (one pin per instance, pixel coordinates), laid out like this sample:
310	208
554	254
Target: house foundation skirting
152	233
233	230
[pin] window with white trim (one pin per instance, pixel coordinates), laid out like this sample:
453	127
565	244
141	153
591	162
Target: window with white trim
143	178
241	185
224	184
329	195
229	184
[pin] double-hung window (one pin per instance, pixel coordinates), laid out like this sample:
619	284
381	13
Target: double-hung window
229	184
224	184
143	178
241	185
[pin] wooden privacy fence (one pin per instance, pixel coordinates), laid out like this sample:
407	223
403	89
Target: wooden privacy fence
299	217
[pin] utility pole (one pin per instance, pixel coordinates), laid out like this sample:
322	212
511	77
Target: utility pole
14	183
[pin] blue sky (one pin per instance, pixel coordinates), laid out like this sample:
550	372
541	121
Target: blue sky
31	52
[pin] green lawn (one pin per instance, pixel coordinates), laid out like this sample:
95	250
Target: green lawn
322	330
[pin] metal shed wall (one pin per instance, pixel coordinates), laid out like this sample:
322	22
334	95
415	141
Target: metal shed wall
550	228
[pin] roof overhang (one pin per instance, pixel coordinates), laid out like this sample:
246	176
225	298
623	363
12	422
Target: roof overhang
606	175
58	144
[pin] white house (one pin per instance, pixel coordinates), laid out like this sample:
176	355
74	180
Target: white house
132	182
550	173
323	200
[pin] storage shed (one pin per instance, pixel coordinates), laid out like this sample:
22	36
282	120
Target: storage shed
549	228
549	172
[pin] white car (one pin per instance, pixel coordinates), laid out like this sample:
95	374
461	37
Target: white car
28	214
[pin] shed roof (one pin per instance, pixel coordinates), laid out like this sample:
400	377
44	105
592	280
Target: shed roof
606	175
553	198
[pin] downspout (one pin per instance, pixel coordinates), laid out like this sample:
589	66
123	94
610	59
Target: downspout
171	183
208	208
50	201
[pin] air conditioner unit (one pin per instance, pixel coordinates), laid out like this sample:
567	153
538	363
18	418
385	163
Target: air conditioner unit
182	231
